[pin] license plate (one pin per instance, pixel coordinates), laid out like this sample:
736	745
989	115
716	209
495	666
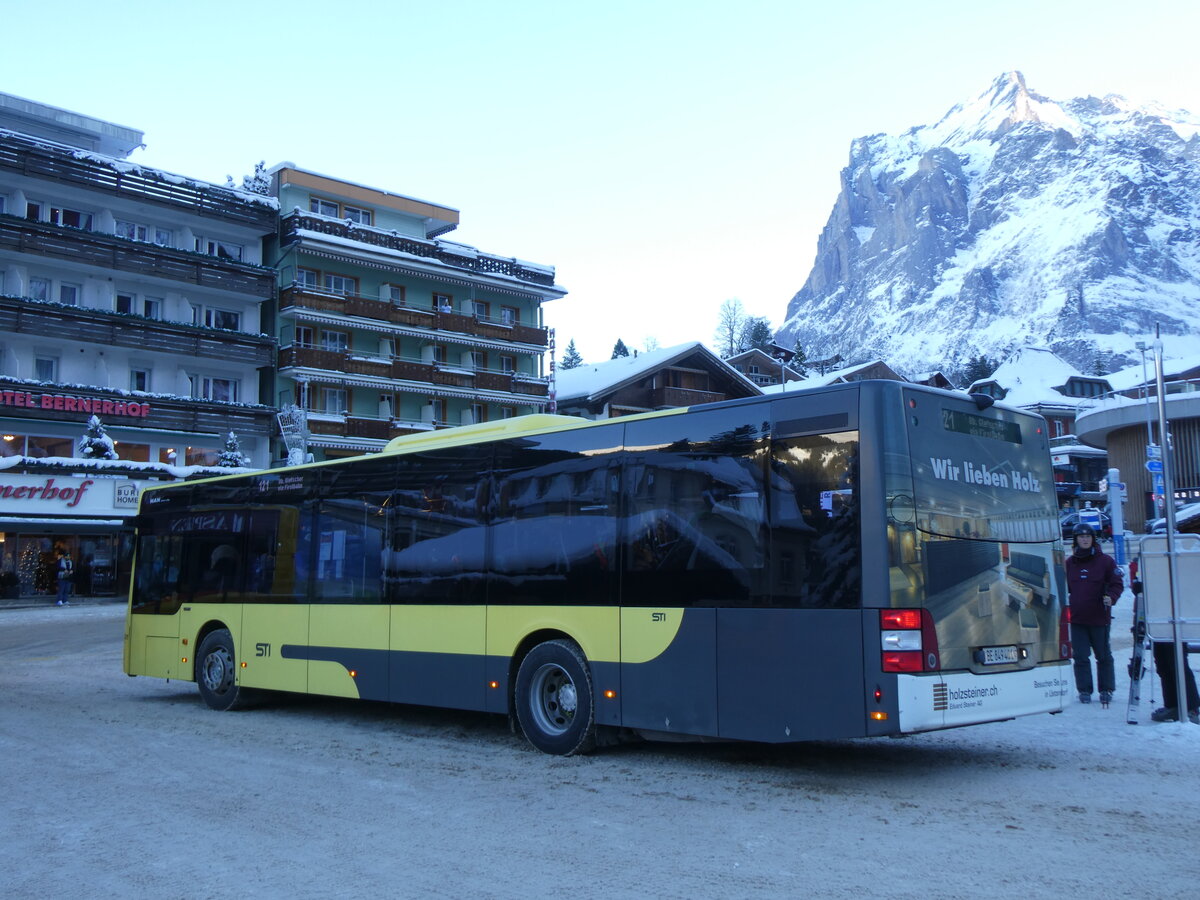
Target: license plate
994	656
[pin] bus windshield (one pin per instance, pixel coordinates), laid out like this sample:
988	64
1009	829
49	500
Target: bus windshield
982	475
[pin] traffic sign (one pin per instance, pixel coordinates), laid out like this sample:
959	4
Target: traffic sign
1154	466
1159	486
1153	451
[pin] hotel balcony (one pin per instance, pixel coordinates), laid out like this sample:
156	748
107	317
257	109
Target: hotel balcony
164	412
107	251
58	322
413	373
355	306
35	159
457	256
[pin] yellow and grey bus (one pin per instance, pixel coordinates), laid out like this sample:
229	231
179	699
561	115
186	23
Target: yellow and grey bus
867	559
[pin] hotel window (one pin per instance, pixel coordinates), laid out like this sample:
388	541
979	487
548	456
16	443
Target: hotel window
507	412
439	353
68	294
308	278
164	237
219	249
508	365
223	318
152	307
33	210
322	207
41	447
443	302
478	359
359	216
139	379
438	405
39	288
334	401
132	452
341	284
125	303
207	388
12	444
1059	431
480	308
304	336
478	412
509	315
72	218
337	341
45	368
394	293
132	231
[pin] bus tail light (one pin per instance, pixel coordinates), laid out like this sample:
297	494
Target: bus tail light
908	641
1064	633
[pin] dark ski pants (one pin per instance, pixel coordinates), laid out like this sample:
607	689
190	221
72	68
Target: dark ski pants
1087	640
1164	661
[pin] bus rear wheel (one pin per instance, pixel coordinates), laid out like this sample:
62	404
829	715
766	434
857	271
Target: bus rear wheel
554	700
216	675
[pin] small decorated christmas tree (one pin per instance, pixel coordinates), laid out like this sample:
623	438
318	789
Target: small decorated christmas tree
231	457
95	444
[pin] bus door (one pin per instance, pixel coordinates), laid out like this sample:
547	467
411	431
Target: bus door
274	612
790	660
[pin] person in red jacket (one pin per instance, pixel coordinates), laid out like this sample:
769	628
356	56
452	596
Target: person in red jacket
1093	585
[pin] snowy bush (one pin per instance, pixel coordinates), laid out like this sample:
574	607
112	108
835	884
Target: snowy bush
95	444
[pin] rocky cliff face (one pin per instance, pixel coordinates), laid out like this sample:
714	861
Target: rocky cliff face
1015	220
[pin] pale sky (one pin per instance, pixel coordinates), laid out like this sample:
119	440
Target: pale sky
663	156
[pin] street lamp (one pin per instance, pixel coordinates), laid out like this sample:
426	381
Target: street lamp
1141	345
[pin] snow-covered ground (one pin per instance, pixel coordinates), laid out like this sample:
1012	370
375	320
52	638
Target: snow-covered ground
129	787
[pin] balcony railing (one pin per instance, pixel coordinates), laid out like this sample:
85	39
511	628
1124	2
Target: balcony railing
400	369
56	321
670	397
107	251
34	159
447	254
298	297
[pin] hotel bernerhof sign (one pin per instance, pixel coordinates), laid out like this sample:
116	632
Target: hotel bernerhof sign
90	496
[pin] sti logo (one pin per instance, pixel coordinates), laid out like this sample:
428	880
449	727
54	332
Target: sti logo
658	617
941	697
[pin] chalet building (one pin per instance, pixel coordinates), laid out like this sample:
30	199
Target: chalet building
685	375
128	293
1124	421
763	369
385	328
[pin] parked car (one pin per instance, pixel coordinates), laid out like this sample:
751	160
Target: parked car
1071	519
1187	521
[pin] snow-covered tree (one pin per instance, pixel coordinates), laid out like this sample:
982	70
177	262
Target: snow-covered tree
258	183
619	349
232	456
95	443
572	358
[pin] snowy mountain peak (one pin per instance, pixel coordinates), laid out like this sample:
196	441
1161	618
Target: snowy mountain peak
1014	220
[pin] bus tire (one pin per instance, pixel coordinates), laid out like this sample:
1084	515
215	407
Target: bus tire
216	672
554	700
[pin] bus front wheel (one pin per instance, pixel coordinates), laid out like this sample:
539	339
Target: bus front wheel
554	699
216	675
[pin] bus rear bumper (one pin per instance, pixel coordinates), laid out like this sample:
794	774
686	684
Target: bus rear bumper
947	700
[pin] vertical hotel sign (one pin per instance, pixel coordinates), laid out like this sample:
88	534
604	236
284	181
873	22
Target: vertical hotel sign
67	495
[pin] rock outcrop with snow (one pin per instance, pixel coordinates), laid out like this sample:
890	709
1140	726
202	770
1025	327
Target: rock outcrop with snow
1014	220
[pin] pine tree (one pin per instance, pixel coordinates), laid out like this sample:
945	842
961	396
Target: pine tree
258	183
799	360
977	368
756	334
232	457
572	358
619	349
95	443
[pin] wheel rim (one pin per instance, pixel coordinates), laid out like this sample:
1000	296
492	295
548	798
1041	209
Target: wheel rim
553	699
217	670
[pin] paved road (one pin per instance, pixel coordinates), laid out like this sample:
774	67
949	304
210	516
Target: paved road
129	787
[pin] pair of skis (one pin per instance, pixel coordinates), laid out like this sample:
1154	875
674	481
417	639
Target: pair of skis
1137	659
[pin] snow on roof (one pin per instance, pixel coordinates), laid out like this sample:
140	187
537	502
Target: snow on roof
828	378
589	380
1132	376
1030	377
